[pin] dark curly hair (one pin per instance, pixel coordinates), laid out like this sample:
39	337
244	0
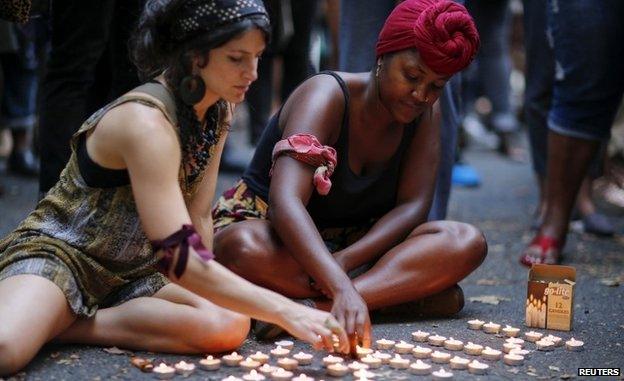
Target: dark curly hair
155	50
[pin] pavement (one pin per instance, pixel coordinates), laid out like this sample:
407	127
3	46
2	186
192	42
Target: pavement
502	208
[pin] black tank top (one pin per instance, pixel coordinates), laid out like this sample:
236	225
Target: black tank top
353	199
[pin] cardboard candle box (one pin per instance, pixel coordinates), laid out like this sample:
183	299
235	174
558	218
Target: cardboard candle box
550	297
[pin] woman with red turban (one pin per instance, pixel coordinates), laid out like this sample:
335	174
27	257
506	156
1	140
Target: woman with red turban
333	207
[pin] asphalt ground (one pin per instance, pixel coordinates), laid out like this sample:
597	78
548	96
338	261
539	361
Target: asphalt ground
502	208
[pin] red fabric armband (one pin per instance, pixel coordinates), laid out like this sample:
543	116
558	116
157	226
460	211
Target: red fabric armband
306	148
183	238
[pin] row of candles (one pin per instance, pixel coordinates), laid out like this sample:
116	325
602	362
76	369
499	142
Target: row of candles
257	364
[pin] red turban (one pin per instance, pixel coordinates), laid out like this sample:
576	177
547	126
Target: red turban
441	30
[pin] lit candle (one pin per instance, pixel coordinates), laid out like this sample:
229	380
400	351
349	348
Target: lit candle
210	363
287	363
475	324
515	340
231	378
507	347
337	370
184	368
303	358
440	357
384	344
357	366
260	357
253	376
403	347
384	357
555	339
476	367
491	327
362	352
473	349
421	352
363	374
371	361
249	364
513	359
442	375
533	336
267	369
285	344
453	345
398	362
281	375
519	351
436	340
420	336
280	352
574	345
510	331
232	359
303	377
544	345
459	363
420	368
491	354
163	371
330	360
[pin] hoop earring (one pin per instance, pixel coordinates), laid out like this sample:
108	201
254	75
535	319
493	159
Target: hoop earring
192	89
378	67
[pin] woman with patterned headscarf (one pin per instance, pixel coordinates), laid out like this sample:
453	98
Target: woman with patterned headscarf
136	196
333	206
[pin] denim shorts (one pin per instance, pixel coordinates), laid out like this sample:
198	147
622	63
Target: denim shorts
587	37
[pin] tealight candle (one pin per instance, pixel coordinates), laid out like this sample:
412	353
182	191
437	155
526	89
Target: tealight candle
285	344
420	336
491	327
231	378
507	347
384	344
253	376
281	375
280	351
260	357
420	368
459	363
515	340
287	363
436	340
574	345
510	331
521	352
210	363
337	370
184	368
303	358
403	347
544	345
453	345
303	377
249	364
555	339
163	371
475	324
357	366
363	374
532	336
384	357
513	359
442	375
330	360
398	362
362	352
232	359
473	349
491	354
267	369
440	357
476	367
371	361
421	352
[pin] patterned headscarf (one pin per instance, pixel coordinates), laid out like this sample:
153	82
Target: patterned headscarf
200	16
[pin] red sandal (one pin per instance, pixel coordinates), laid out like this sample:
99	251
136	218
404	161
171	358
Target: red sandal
543	249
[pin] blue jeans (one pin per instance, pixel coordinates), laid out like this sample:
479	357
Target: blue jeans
587	40
359	29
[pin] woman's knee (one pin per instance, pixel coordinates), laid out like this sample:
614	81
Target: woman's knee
469	243
238	247
218	331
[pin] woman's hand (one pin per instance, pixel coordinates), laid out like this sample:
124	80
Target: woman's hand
352	313
314	326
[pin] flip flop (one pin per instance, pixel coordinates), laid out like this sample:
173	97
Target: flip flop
543	249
